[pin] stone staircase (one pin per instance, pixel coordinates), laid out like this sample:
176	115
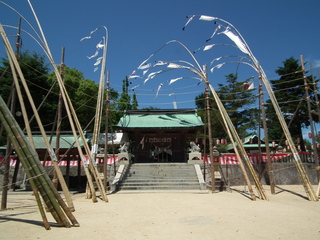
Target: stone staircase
161	177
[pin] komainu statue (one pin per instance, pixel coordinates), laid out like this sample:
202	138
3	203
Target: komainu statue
194	147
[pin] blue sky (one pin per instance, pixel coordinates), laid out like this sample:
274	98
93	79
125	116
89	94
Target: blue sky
274	30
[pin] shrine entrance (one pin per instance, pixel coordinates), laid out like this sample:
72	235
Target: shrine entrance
160	136
160	147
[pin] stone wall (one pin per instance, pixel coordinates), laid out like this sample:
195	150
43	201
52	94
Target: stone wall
284	174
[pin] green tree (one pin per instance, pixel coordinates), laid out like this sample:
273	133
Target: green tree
35	71
80	94
289	91
124	101
236	100
134	102
85	102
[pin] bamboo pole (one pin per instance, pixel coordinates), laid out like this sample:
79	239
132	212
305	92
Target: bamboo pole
265	128
97	124
234	137
306	86
4	119
239	149
212	158
5	183
52	198
69	108
224	119
303	176
13	61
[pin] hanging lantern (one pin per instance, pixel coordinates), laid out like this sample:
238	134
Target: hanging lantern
273	144
298	140
218	142
310	135
287	143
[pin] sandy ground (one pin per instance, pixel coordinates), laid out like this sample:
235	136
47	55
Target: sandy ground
225	215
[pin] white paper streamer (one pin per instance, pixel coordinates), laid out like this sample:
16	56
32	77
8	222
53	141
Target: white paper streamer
88	37
236	40
94	55
189	20
152	75
207	18
144	66
174	80
100	45
144	72
134	76
98	61
160	86
173	65
214	33
208	47
160	63
217	66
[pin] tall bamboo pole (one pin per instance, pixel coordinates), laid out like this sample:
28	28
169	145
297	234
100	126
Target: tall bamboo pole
265	128
5	187
225	117
105	157
232	133
213	179
243	46
70	111
15	65
25	155
58	120
97	124
306	86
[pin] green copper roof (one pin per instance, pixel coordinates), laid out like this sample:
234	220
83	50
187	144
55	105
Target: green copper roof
160	119
251	141
66	141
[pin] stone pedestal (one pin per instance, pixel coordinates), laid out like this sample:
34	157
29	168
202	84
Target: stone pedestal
124	158
195	158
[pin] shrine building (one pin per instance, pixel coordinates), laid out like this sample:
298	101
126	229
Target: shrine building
161	135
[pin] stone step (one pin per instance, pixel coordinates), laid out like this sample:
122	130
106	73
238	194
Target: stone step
162	187
160	180
160	177
158	183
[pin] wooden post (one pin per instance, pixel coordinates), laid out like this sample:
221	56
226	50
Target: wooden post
210	141
265	128
59	120
318	189
105	158
215	155
306	86
15	174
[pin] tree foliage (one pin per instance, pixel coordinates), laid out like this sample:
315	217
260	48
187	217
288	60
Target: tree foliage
290	93
236	100
35	72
